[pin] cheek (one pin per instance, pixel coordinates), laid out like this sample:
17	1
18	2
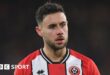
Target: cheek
48	34
66	30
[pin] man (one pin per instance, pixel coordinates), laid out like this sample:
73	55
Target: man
54	58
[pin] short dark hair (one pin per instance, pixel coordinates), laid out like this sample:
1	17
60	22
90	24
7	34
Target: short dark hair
47	8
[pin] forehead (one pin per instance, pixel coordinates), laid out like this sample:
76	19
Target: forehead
54	18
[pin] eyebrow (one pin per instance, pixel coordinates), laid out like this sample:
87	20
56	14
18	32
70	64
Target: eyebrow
63	22
54	24
59	23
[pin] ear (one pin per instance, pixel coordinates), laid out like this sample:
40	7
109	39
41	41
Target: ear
38	30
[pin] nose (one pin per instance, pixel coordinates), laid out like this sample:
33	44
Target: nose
59	31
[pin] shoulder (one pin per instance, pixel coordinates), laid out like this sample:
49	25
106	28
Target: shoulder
30	57
26	64
88	64
85	59
79	55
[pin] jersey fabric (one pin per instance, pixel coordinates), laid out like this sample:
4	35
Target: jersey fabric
73	63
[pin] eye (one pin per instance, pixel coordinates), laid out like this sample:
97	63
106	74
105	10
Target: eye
63	24
52	26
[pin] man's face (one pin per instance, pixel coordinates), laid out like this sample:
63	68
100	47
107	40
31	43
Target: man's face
54	30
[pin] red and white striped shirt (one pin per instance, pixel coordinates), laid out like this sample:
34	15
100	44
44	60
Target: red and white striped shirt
73	63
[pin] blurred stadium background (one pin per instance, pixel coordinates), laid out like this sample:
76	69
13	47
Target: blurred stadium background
89	30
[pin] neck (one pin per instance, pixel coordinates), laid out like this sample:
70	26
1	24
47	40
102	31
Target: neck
55	55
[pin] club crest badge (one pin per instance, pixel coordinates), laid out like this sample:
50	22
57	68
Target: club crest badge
74	70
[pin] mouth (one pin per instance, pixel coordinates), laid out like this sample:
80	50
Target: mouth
59	40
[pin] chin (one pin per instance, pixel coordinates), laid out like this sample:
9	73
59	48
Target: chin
59	47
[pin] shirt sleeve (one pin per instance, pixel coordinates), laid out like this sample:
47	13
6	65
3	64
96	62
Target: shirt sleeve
18	71
93	68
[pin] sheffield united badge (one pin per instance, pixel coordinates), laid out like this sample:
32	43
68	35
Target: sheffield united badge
74	70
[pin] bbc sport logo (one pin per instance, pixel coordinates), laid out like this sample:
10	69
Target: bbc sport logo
6	67
12	66
1	66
